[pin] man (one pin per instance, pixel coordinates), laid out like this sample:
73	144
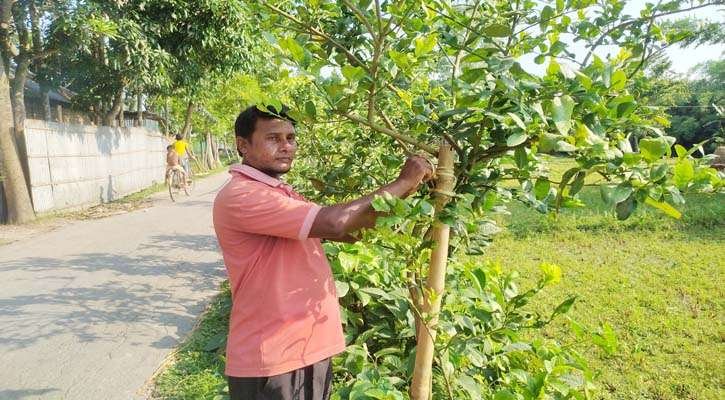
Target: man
285	319
183	149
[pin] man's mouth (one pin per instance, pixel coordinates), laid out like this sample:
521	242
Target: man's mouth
287	160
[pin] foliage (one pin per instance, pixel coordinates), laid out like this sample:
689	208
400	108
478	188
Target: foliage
696	114
431	72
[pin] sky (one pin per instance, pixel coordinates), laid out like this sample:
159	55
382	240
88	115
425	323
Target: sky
683	59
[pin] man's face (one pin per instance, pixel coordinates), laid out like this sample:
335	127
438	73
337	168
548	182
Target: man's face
272	147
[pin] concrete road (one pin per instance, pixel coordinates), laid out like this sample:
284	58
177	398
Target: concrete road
90	310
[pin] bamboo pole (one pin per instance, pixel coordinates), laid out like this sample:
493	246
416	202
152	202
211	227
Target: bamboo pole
420	388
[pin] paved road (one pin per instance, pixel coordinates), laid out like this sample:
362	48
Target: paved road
90	310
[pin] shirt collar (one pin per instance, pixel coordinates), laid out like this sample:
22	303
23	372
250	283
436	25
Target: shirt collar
256	174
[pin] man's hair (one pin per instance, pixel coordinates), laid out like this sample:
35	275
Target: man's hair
169	147
178	136
247	119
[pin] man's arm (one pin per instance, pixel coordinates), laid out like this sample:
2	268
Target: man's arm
339	221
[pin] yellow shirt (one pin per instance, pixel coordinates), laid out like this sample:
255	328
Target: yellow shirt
180	147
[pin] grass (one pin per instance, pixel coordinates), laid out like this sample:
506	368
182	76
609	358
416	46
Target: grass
195	369
657	281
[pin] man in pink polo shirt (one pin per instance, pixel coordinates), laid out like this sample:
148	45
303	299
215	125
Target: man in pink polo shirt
285	320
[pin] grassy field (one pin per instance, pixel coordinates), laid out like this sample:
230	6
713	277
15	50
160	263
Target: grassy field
657	281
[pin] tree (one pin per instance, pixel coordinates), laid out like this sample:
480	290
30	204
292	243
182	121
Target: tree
443	78
19	205
208	40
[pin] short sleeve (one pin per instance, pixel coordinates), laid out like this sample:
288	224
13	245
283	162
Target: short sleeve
260	209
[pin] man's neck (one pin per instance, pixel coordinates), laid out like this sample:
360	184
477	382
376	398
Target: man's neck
264	171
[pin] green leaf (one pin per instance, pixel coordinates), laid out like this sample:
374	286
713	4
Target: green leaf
684	173
353	74
425	44
516	139
652	149
405	96
625	208
480	276
216	341
680	150
546	13
348	262
619	80
564	307
562	108
658	172
664	207
291	46
342	288
497	30
400	59
541	188
615	194
310	110
553	68
470	385
539	110
585	80
624	109
578	183
520	157
517	121
504	395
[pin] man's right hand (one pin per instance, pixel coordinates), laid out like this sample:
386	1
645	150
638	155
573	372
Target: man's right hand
415	171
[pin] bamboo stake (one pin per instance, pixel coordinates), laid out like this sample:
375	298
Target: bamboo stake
420	388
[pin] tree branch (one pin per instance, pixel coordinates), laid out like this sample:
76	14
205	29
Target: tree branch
392	133
360	16
640	20
350	56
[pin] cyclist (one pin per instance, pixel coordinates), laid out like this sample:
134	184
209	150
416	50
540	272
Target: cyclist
172	164
183	150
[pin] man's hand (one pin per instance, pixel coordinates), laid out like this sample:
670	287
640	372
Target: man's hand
415	171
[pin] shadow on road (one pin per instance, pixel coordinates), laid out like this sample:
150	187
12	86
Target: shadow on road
20	394
148	290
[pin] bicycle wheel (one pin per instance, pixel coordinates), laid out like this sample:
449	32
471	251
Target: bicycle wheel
189	185
174	185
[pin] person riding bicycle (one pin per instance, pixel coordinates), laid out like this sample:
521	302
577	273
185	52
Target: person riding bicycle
183	150
172	164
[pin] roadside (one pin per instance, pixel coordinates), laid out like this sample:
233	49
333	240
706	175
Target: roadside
53	220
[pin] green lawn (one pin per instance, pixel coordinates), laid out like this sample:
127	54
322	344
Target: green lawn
657	281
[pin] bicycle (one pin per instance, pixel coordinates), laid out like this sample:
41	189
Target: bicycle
176	184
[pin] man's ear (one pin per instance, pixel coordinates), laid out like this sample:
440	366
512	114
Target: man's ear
242	145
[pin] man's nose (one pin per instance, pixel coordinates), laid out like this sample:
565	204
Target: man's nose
288	146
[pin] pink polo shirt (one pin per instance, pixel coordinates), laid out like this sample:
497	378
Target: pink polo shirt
285	312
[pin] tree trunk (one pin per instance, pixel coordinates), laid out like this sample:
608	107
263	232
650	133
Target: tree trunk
208	154
110	117
17	195
186	130
420	388
139	111
215	151
45	101
17	99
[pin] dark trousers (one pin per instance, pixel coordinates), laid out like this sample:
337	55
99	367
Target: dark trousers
312	382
